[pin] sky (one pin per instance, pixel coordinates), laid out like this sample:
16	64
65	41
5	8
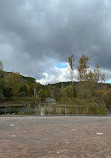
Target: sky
37	36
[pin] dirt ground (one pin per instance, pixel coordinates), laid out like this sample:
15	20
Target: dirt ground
55	137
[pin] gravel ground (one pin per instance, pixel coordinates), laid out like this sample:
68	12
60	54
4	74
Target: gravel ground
55	137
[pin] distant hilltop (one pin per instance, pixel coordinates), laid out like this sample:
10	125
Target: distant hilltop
23	78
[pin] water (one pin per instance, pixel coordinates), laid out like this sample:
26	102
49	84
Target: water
39	110
43	110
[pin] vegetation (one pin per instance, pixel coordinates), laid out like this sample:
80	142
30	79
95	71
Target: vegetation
71	70
90	95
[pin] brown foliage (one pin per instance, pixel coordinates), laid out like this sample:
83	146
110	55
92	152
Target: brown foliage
83	68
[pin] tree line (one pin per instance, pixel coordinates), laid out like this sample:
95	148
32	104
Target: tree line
88	79
90	85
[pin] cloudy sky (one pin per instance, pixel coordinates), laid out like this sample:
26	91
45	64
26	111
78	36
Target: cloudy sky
37	36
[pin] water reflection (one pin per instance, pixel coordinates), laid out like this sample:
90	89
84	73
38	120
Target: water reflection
38	110
42	111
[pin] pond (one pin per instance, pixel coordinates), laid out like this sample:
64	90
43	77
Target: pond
38	110
55	109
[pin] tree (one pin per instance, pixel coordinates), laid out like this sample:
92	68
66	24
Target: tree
83	74
1	70
1	66
88	77
83	68
67	91
91	85
43	94
15	83
71	70
98	76
2	83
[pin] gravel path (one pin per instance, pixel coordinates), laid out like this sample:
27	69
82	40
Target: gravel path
55	137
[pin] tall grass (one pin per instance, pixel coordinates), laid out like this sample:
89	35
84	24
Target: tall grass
86	106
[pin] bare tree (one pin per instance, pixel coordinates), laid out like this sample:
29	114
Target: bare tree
98	76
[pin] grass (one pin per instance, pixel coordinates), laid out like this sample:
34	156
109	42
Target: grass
85	106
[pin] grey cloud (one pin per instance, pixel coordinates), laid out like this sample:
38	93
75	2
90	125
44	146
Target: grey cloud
41	33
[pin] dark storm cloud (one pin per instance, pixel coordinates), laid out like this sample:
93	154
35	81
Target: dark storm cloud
36	34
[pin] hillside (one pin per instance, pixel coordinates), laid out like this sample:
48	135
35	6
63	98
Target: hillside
7	75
